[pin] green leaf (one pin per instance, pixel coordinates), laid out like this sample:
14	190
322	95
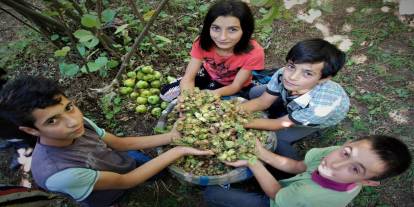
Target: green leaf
108	15
54	37
83	35
101	61
272	14
113	64
159	130
66	4
51	13
83	69
92	43
147	16
81	49
117	100
98	64
68	69
62	52
359	125
93	67
90	21
163	39
260	2
203	8
121	28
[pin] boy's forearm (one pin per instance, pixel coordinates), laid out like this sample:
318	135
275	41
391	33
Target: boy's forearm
152	167
111	180
263	124
253	106
265	179
144	142
270	124
280	162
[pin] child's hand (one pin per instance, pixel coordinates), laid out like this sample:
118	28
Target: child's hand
259	147
193	151
175	134
215	92
238	163
180	101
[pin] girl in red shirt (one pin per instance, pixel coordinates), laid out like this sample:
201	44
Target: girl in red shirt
224	55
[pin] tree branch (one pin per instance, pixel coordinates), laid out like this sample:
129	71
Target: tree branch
139	16
72	39
77	7
21	20
46	23
138	40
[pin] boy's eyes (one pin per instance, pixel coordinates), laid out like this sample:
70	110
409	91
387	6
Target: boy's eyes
51	121
69	107
308	74
346	152
355	170
290	66
54	120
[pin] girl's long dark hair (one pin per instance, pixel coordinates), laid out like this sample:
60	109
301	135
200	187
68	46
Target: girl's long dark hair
233	8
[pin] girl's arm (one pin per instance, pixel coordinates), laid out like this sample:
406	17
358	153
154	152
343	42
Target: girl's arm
270	124
142	142
237	84
187	82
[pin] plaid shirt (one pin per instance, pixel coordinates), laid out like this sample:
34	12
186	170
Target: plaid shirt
325	105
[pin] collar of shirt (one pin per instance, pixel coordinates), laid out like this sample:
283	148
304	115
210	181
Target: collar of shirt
330	184
304	99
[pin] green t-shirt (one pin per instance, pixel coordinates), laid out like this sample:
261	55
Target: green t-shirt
301	191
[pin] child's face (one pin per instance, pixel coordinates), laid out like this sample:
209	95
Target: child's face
301	78
226	32
353	162
60	122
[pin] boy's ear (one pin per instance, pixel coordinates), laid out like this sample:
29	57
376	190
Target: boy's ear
370	183
29	130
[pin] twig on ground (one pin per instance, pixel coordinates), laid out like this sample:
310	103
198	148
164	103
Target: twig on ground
167	189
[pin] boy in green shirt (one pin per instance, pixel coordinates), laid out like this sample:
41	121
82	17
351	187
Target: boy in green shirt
328	177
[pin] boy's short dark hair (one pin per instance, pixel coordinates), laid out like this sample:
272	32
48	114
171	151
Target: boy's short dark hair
315	51
233	8
20	97
393	152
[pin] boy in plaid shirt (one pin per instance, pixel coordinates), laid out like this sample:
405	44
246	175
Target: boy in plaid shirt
301	98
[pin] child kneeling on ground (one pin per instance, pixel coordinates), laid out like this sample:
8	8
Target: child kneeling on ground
224	55
301	98
327	177
73	156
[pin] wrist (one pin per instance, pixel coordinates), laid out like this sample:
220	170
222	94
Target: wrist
260	152
173	135
254	164
216	92
180	150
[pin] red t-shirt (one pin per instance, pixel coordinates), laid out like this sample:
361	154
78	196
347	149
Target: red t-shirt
223	69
